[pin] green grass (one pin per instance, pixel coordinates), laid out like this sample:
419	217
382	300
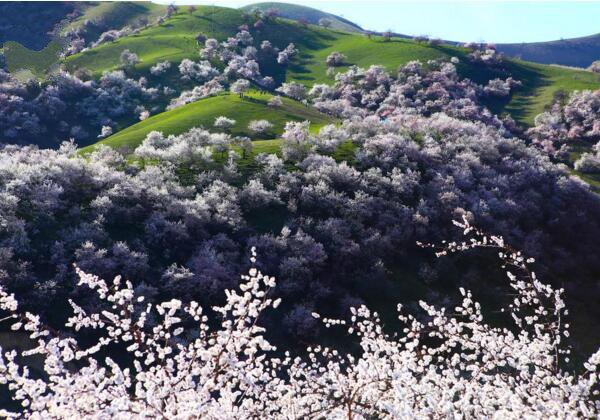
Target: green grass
25	63
203	113
310	68
173	40
116	13
22	59
577	149
540	84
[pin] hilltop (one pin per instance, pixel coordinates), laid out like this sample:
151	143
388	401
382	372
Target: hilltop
576	52
306	14
203	113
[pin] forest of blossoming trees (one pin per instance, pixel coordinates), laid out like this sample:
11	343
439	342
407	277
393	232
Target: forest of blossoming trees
123	267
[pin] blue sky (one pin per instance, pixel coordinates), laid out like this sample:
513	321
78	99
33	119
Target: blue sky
483	20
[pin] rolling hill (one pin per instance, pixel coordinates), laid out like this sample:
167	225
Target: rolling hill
307	14
32	50
107	15
577	52
203	113
172	40
175	40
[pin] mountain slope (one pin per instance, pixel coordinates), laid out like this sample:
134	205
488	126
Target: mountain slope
172	40
307	14
203	113
577	52
98	17
175	40
32	51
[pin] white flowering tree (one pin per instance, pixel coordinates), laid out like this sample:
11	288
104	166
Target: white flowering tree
105	132
297	142
188	362
224	123
259	127
275	102
595	66
335	59
160	68
293	90
129	59
240	87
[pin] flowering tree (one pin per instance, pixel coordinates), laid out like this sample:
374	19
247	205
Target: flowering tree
577	120
189	361
486	54
595	66
224	123
335	59
287	54
129	59
240	87
293	90
210	88
199	72
105	132
160	68
297	142
111	35
589	162
259	127
275	102
144	114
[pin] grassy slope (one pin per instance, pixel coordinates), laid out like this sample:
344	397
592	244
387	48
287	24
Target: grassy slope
203	113
174	41
37	63
540	83
30	62
116	14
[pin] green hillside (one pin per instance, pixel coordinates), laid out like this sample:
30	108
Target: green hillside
174	40
203	113
540	84
115	15
35	53
22	60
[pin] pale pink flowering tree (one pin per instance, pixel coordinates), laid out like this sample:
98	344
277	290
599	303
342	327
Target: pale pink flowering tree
188	363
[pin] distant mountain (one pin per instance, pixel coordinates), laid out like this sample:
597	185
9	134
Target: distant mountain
310	15
577	52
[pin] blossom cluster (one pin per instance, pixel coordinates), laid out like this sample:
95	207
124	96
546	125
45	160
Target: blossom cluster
186	360
69	107
416	89
578	119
